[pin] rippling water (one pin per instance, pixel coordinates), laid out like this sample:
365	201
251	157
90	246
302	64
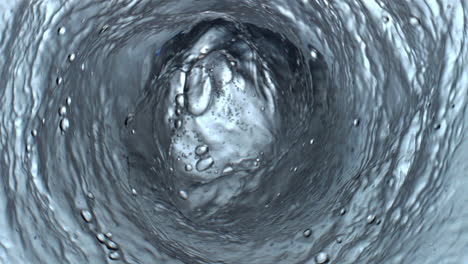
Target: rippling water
307	131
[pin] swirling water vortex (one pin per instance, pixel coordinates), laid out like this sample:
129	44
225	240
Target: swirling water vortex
233	131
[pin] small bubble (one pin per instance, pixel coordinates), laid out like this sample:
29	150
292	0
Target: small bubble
90	195
188	167
64	124
68	100
108	235
112	245
228	170
202	149
134	192
103	29
28	148
183	194
313	54
178	123
101	238
114	255
385	19
321	258
62	110
356	122
180	100
34	132
87	216
339	239
59	80
133	131
307	233
62	30
343	211
129	119
414	21
204	164
71	57
311	141
82	67
370	219
437	127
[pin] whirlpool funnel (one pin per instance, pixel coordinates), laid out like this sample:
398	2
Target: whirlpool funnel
233	132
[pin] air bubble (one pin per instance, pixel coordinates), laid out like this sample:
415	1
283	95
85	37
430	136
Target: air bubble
134	192
101	238
34	132
343	211
114	255
103	29
129	119
28	148
370	219
321	258
339	239
307	233
414	21
68	100
311	141
178	123
313	54
90	195
188	167
228	170
59	80
356	122
71	57
62	30
183	194
112	245
180	100
202	149
87	216
204	164
64	125
62	110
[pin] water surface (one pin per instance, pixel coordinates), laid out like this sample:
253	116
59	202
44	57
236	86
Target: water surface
233	131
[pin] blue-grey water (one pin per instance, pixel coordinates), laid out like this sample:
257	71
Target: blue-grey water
235	132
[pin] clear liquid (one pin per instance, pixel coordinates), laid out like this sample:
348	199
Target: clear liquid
233	132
